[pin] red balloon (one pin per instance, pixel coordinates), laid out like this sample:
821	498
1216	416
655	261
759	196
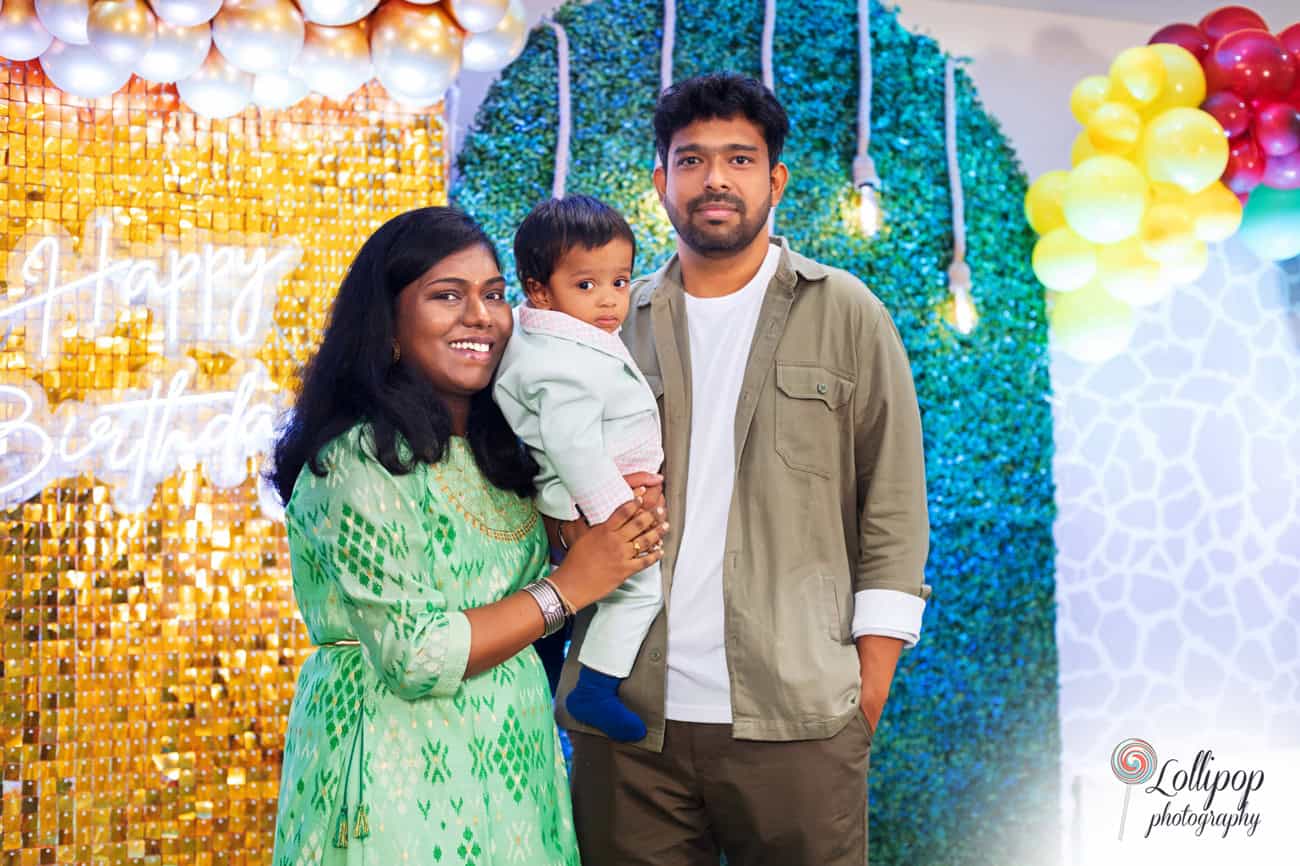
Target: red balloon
1230	110
1187	36
1245	169
1226	19
1277	128
1283	172
1252	63
1290	39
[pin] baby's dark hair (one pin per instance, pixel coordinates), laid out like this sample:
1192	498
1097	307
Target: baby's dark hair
558	225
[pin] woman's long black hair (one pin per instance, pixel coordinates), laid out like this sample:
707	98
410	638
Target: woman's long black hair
352	377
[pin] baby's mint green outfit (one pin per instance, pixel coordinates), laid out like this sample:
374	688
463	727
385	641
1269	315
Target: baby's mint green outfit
392	756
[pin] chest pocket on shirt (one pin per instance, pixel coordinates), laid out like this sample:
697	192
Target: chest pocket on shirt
811	408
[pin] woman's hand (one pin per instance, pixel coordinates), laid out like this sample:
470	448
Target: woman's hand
609	553
648	488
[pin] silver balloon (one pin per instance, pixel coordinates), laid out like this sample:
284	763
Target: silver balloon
416	51
336	13
121	30
262	38
186	13
278	90
477	16
335	61
66	19
498	47
83	71
217	89
22	35
177	53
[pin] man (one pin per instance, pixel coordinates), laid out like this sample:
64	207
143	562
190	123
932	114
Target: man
795	482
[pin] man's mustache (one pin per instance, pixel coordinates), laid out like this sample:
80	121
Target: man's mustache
705	200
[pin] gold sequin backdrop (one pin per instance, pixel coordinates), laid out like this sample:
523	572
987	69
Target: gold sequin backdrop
150	657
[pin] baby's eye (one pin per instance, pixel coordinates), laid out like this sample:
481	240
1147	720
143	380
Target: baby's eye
587	285
621	283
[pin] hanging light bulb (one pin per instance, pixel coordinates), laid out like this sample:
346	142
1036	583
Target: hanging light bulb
960	311
870	216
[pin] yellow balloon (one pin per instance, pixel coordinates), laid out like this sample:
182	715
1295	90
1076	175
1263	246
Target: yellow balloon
1082	149
1140	72
1126	272
1185	146
1063	261
1114	128
1087	96
1043	202
1166	232
1105	198
1190	267
1184	80
1216	213
1090	325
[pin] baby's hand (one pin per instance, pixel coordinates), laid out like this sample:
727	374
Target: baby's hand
649	490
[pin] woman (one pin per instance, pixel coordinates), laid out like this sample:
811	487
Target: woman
421	730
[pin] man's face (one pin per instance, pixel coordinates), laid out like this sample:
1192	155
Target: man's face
718	185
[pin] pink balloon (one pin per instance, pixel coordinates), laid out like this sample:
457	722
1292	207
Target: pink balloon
1283	172
1230	110
1252	63
1227	19
1290	39
1245	169
1277	128
1187	36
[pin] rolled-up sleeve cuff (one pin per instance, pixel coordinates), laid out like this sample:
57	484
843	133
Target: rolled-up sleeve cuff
456	657
890	613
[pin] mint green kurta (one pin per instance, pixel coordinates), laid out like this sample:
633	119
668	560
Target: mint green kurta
454	771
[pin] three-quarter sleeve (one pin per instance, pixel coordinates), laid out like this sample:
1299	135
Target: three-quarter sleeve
374	543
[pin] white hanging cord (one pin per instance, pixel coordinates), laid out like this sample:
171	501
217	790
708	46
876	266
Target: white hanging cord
566	117
959	277
865	178
769	80
669	42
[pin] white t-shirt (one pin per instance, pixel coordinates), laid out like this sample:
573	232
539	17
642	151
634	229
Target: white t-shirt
721	330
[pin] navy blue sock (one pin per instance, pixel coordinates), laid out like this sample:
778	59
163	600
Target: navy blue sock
594	701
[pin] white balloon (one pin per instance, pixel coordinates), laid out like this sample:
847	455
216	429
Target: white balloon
83	71
278	90
121	30
335	61
495	49
477	16
66	19
262	38
217	89
22	35
335	13
186	13
177	53
415	50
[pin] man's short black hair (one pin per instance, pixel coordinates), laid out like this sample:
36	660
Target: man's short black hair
720	95
558	225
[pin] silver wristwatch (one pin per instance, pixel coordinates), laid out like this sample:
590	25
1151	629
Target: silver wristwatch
552	606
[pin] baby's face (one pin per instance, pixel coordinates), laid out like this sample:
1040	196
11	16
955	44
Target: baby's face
590	284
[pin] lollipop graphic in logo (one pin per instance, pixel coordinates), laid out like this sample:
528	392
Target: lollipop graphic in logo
1133	762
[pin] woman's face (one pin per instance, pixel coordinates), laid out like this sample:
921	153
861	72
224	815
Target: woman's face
453	323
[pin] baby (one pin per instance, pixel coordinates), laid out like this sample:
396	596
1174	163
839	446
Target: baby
574	395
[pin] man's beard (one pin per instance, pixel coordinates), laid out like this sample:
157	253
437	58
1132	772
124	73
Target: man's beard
718	241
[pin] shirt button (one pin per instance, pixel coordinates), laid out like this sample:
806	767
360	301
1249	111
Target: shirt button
821	387
655	655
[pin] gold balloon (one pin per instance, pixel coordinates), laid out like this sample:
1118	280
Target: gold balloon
495	49
65	19
217	89
186	13
478	16
335	61
22	35
121	30
83	71
1126	272
1089	95
1105	198
1216	213
177	53
1184	80
1114	128
1185	146
1140	72
1043	202
1063	261
1082	149
265	37
1190	267
1167	232
335	13
1090	325
416	51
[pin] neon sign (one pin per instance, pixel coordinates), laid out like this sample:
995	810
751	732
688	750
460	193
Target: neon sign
214	298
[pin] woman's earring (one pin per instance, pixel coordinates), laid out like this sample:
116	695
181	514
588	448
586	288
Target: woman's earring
397	352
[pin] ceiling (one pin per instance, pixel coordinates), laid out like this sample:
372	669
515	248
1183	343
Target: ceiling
1278	13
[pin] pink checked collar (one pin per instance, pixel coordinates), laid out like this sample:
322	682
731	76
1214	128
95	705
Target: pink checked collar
555	324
